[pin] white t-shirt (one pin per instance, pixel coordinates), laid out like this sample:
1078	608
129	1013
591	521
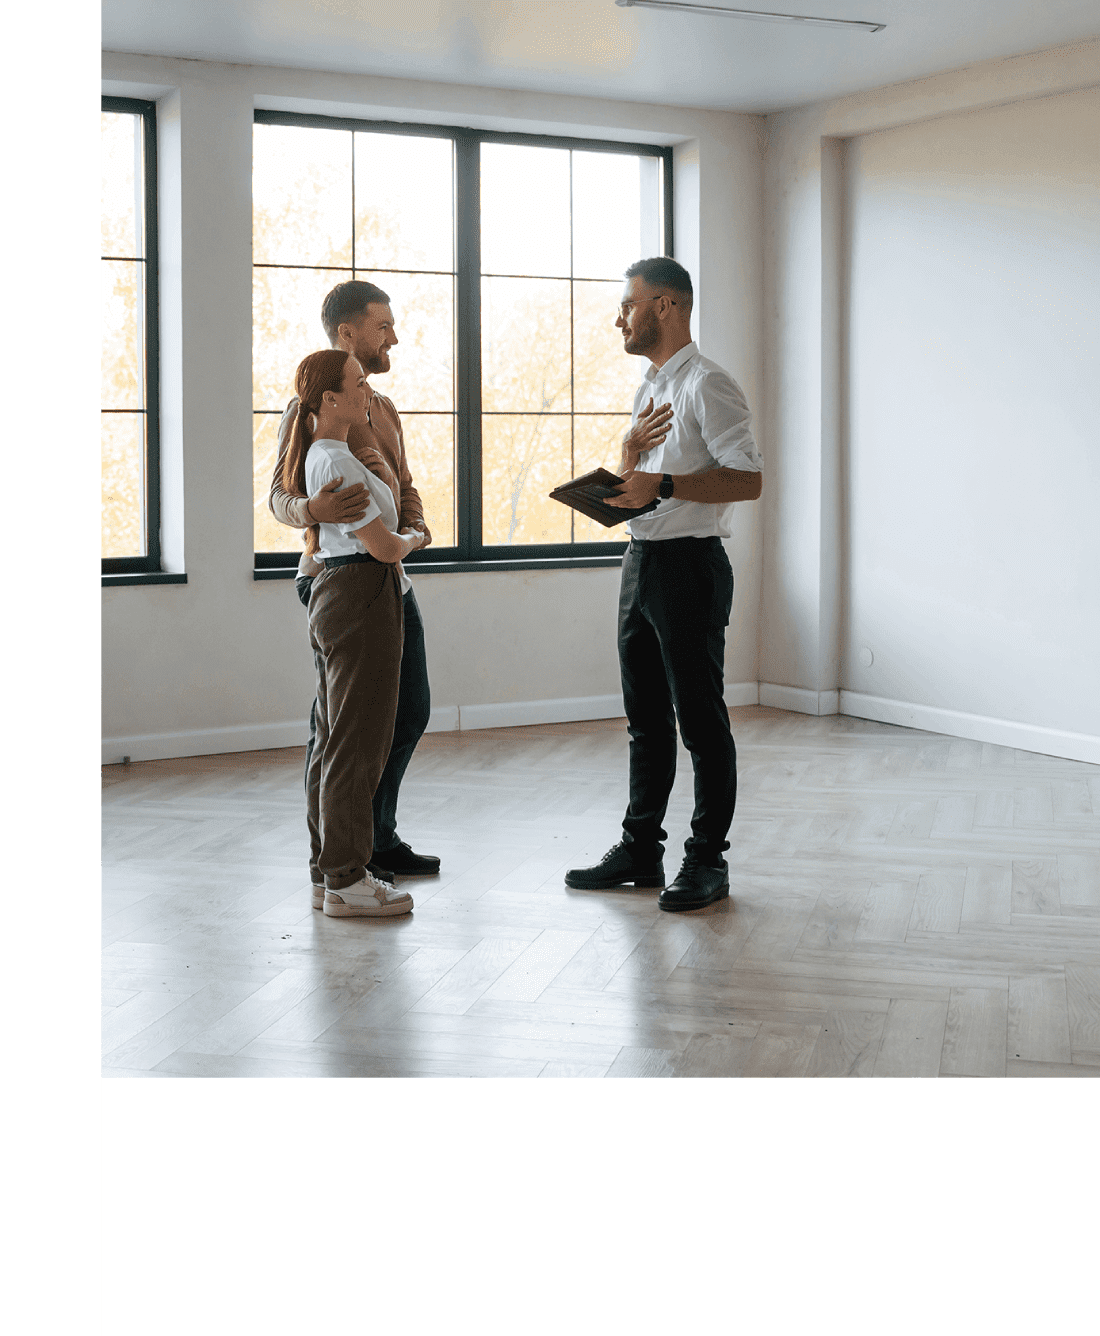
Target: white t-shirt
710	428
328	460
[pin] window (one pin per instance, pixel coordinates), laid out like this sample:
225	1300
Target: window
129	372
503	257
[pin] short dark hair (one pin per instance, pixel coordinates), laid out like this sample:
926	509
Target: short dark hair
661	271
348	301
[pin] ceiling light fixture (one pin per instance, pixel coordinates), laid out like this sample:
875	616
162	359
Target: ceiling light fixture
752	14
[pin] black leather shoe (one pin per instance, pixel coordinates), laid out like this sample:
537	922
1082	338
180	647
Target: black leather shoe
404	863
696	885
618	867
380	873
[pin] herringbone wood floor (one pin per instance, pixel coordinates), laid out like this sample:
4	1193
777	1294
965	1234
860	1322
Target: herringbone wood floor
903	904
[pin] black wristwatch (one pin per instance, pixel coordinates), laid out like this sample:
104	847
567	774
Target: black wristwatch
664	491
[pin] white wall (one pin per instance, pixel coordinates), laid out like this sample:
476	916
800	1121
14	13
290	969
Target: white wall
825	259
974	461
222	662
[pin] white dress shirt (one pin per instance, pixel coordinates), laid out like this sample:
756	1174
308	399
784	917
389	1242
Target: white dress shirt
327	460
710	429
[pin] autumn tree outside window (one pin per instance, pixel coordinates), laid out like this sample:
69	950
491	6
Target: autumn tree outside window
503	256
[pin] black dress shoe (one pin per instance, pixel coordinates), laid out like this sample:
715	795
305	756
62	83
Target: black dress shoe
380	873
401	861
619	867
696	885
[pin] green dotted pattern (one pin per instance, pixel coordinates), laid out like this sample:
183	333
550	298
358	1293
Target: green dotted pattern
997	1128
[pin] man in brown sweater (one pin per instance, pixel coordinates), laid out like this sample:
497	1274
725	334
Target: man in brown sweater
357	318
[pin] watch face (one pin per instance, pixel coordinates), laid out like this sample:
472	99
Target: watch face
665	489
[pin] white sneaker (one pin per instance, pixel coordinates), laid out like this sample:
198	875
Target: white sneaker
318	896
369	898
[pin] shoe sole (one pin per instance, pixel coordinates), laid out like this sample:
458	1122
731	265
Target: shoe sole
341	909
585	884
394	873
317	898
683	908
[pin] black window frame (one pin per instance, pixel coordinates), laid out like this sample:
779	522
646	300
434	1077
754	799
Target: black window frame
468	553
122	570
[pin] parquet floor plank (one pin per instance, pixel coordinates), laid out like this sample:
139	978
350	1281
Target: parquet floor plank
902	904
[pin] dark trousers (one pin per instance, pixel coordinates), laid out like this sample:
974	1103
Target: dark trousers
355	626
674	607
414	705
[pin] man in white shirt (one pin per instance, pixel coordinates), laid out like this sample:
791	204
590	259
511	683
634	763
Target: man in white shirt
677	591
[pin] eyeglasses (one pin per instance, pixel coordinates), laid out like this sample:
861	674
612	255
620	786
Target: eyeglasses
625	306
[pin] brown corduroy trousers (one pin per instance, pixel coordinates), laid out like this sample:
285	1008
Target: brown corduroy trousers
355	629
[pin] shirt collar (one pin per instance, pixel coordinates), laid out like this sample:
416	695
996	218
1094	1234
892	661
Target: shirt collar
674	363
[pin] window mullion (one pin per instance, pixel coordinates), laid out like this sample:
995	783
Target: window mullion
468	351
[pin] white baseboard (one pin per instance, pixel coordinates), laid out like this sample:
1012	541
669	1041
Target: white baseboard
515	714
742	693
799	699
976	727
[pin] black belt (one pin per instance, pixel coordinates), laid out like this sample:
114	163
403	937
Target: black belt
352	559
652	544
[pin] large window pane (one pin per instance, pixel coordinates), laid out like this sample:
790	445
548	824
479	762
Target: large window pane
123	490
523	458
597	444
525	356
286	326
122	353
121	178
404	202
524	210
301	196
604	377
430	449
421	375
270	535
616	204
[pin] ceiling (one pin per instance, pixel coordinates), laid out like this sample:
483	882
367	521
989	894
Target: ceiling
594	48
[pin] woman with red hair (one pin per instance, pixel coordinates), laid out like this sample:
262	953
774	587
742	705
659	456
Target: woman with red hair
355	628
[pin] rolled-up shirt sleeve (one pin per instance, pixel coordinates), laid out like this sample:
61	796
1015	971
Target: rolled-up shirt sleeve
726	423
323	470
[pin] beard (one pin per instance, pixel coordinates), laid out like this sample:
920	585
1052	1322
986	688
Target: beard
644	336
375	363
